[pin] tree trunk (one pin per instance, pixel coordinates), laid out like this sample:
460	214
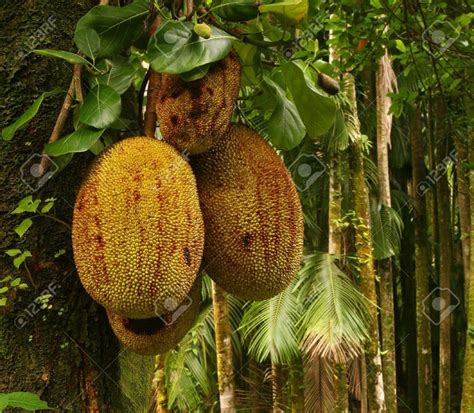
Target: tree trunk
278	388
159	384
422	265
468	376
297	386
66	354
384	82
445	267
375	389
225	369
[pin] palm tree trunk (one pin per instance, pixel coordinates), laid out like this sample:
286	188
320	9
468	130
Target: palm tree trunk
161	398
225	369
384	85
445	259
296	387
278	386
468	376
375	388
422	265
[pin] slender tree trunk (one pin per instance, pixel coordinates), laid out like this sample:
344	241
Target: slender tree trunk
375	388
422	265
278	387
384	85
445	267
161	399
468	383
66	354
225	369
297	387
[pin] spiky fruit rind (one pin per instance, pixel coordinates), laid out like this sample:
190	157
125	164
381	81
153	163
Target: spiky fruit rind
194	115
138	233
173	327
252	215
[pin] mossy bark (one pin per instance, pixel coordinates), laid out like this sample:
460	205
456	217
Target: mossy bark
66	354
467	404
375	390
445	266
422	269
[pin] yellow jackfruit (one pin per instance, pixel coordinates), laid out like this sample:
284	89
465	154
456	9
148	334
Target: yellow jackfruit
252	216
194	115
138	233
160	334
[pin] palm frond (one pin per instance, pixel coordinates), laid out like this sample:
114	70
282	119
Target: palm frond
270	327
336	317
387	230
319	395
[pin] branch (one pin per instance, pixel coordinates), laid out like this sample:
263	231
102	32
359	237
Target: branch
62	117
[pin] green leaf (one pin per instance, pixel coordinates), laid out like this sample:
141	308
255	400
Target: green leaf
23	120
288	11
23	227
195	74
46	208
13	252
7	278
175	48
78	141
285	129
400	45
27	205
317	110
3	303
101	108
251	63
21	259
119	76
236	11
3	290
22	400
61	54
16	282
118	27
88	41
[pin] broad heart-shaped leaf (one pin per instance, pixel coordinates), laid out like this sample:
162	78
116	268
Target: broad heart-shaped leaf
285	129
101	108
61	54
22	400
117	27
30	113
175	48
289	12
78	141
88	41
317	111
119	74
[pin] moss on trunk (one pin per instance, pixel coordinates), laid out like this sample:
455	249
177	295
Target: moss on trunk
67	353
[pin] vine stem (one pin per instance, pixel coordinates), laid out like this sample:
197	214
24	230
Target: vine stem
74	89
